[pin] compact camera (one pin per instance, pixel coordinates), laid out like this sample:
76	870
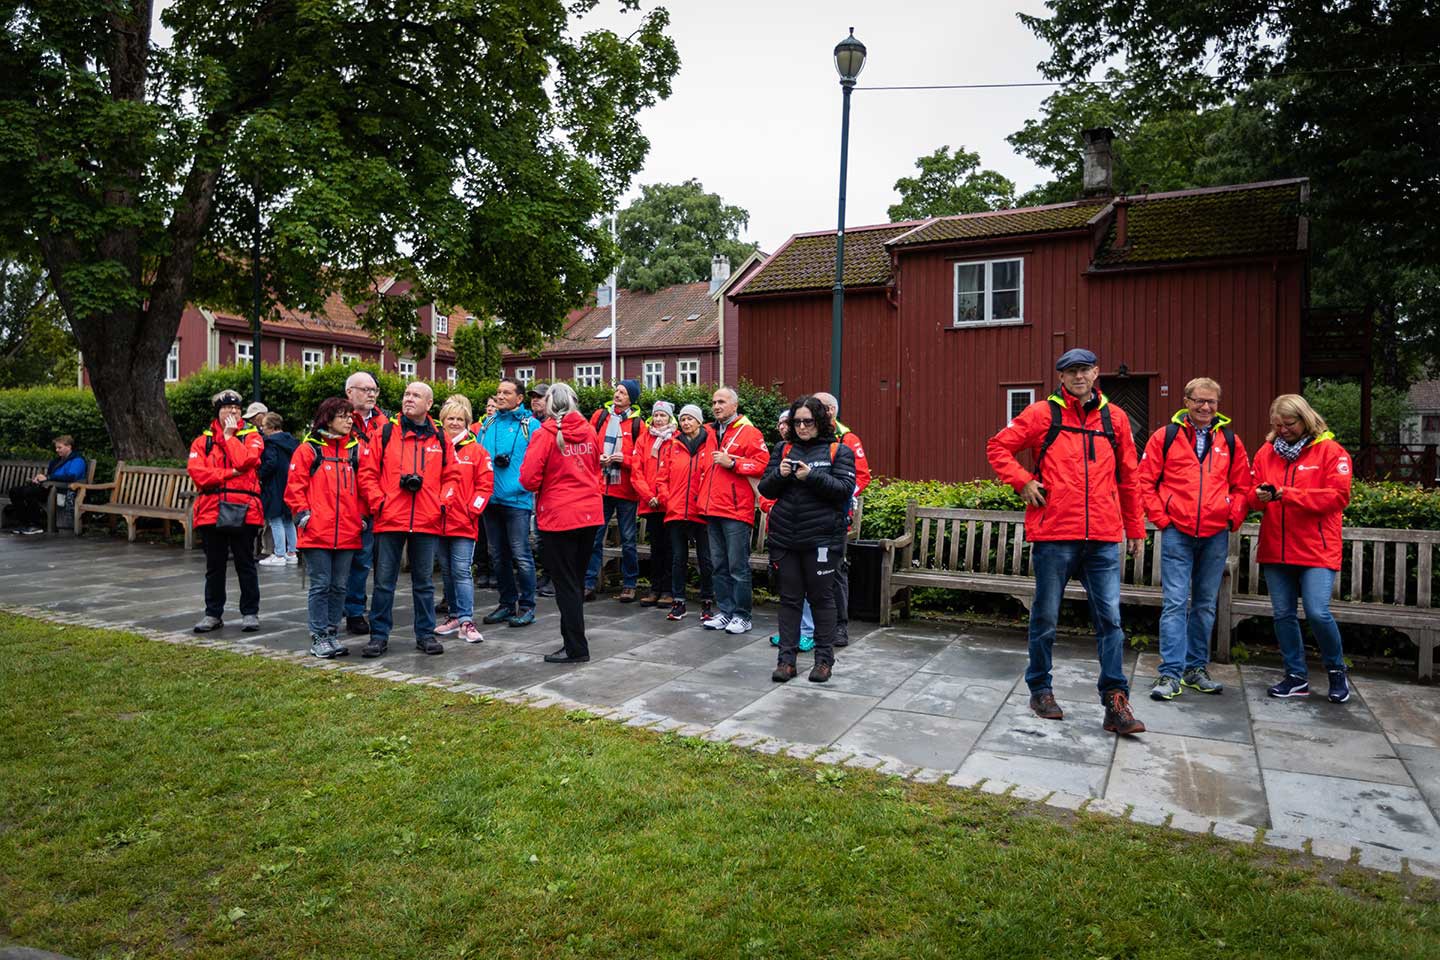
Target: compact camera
501	460
411	482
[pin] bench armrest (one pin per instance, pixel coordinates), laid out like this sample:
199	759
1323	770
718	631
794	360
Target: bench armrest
186	496
83	488
893	546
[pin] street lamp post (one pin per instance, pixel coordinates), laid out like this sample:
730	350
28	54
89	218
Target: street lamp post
849	61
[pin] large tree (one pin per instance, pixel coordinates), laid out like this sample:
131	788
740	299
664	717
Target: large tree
949	184
472	146
669	233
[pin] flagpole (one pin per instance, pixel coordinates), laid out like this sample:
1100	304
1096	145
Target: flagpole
615	377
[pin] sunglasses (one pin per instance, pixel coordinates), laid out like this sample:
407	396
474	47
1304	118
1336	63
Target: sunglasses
805	420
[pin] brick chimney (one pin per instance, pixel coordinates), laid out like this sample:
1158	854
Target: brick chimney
719	271
1122	222
1099	176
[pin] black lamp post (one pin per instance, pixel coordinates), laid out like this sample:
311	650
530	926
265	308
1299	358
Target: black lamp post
255	297
849	61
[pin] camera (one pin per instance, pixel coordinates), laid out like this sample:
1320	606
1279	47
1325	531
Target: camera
501	460
411	482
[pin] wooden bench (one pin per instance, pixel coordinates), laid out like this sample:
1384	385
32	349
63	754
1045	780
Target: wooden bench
15	473
159	493
1387	578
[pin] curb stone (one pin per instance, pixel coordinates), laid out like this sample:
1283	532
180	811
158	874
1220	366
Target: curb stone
1108	808
1333	849
831	756
1284	841
1243	833
965	781
997	787
1189	822
1029	793
1377	859
1061	800
1149	816
864	761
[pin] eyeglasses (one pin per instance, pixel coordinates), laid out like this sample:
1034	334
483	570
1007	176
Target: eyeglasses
1202	403
366	389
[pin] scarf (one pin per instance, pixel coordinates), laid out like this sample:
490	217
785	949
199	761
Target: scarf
692	443
326	434
1289	450
660	437
614	423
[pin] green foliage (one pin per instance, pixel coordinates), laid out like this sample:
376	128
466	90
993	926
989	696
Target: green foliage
668	234
36	348
1397	506
950	184
477	351
1339	403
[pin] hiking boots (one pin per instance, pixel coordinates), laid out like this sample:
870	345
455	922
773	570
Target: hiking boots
820	673
1199	679
522	619
650	599
1043	705
627	595
1165	688
500	614
208	623
1339	686
340	649
323	645
429	646
1291	686
374	648
1119	718
784	672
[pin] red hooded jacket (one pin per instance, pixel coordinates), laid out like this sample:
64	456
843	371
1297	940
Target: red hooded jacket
462	502
331	492
213	462
1201	499
645	471
680	475
566	483
728	492
1084	501
632	432
862	464
418	449
1303	527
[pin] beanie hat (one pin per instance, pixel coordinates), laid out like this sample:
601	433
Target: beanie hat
632	387
690	410
784	415
664	405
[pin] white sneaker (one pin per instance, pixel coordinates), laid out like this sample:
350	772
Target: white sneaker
716	622
292	558
274	560
738	625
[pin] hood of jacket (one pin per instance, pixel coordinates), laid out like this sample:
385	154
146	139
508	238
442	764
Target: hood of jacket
573	427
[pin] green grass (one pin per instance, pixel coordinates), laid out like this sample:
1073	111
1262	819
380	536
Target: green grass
161	802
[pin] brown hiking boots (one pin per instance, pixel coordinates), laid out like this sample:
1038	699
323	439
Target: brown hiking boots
1119	718
1045	707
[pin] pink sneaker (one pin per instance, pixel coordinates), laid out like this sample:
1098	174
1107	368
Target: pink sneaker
468	633
448	627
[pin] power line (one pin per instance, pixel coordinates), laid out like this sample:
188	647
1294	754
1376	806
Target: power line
1106	83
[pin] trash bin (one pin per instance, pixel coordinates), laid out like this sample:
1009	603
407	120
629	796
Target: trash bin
865	557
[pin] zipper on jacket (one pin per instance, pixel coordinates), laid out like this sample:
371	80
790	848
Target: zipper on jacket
339	476
1086	461
414	459
1200	500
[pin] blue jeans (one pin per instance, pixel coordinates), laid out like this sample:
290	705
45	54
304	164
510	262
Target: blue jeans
457	555
730	564
1191	568
1288	584
360	565
327	570
422	585
1097	566
507	534
625	511
282	532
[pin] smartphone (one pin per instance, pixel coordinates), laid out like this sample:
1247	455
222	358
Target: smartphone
1268	488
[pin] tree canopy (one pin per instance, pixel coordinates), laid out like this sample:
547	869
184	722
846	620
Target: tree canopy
669	233
35	346
472	147
949	184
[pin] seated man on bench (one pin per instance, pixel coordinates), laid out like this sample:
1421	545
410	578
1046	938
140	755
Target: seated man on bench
28	499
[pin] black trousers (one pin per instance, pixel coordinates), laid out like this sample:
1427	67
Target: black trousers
682	534
27	503
220	544
659	539
801	575
566	554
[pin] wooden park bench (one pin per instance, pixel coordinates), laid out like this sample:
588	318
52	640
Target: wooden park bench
15	473
158	493
1387	578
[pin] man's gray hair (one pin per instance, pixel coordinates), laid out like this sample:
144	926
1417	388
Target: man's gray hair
830	402
354	379
561	399
734	394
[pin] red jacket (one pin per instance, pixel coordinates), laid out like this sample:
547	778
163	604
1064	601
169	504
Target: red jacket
632	431
212	464
566	483
862	464
680	476
462	502
1303	527
1199	498
728	492
368	428
331	492
414	449
1084	499
645	472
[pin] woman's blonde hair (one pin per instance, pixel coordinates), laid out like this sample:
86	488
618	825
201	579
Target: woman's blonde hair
1289	405
456	403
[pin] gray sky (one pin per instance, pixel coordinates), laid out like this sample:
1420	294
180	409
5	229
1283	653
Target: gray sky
755	112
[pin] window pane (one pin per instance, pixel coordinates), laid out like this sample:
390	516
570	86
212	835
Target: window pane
1005	305
1005	274
970	277
969	307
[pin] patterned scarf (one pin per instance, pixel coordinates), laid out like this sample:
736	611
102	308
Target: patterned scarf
660	437
1289	450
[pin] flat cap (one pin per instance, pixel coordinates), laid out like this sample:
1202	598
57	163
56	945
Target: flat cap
1078	357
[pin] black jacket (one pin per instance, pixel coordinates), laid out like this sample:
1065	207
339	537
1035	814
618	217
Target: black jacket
811	512
274	472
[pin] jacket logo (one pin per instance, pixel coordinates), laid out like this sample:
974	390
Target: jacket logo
1342	466
1307	467
432	449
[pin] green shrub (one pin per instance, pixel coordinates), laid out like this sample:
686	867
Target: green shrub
886	498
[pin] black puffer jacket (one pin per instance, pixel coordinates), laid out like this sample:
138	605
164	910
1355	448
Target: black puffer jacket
810	512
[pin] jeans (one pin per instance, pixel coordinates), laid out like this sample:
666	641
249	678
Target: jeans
625	512
422	587
682	534
282	534
220	544
457	554
327	570
1190	572
565	554
1097	566
730	559
360	565
1288	584
507	533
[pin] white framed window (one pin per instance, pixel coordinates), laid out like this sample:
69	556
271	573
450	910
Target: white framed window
450	375
312	359
525	375
406	368
1016	401
654	374
348	358
172	363
589	374
442	322
687	371
244	351
989	292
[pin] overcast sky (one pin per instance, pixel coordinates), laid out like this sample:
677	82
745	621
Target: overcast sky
755	112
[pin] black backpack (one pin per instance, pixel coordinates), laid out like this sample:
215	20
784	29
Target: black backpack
385	433
320	457
1058	426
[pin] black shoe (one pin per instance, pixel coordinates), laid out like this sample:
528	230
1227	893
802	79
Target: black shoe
500	614
430	646
560	656
357	625
820	673
374	648
784	672
840	642
545	588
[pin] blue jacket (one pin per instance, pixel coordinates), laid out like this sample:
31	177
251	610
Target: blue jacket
508	435
71	469
274	472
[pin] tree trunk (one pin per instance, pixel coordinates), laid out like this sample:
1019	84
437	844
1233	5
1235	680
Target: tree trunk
126	373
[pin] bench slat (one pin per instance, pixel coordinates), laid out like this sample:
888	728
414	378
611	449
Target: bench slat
970	544
1357	568
1377	579
1000	547
982	562
925	542
1423	573
956	540
1254	543
1402	562
1017	548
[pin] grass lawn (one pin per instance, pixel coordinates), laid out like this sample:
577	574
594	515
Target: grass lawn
160	801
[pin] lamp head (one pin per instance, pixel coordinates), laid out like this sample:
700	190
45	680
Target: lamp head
849	58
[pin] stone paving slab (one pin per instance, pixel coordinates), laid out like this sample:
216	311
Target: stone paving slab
1214	778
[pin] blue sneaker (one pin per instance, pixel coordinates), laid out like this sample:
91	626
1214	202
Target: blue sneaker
1339	686
774	639
523	619
807	644
1291	686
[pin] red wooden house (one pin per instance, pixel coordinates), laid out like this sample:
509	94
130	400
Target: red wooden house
953	324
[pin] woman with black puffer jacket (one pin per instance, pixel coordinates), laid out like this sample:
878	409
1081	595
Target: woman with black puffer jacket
811	478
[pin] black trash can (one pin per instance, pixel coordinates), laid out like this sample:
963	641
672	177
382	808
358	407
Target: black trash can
865	557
